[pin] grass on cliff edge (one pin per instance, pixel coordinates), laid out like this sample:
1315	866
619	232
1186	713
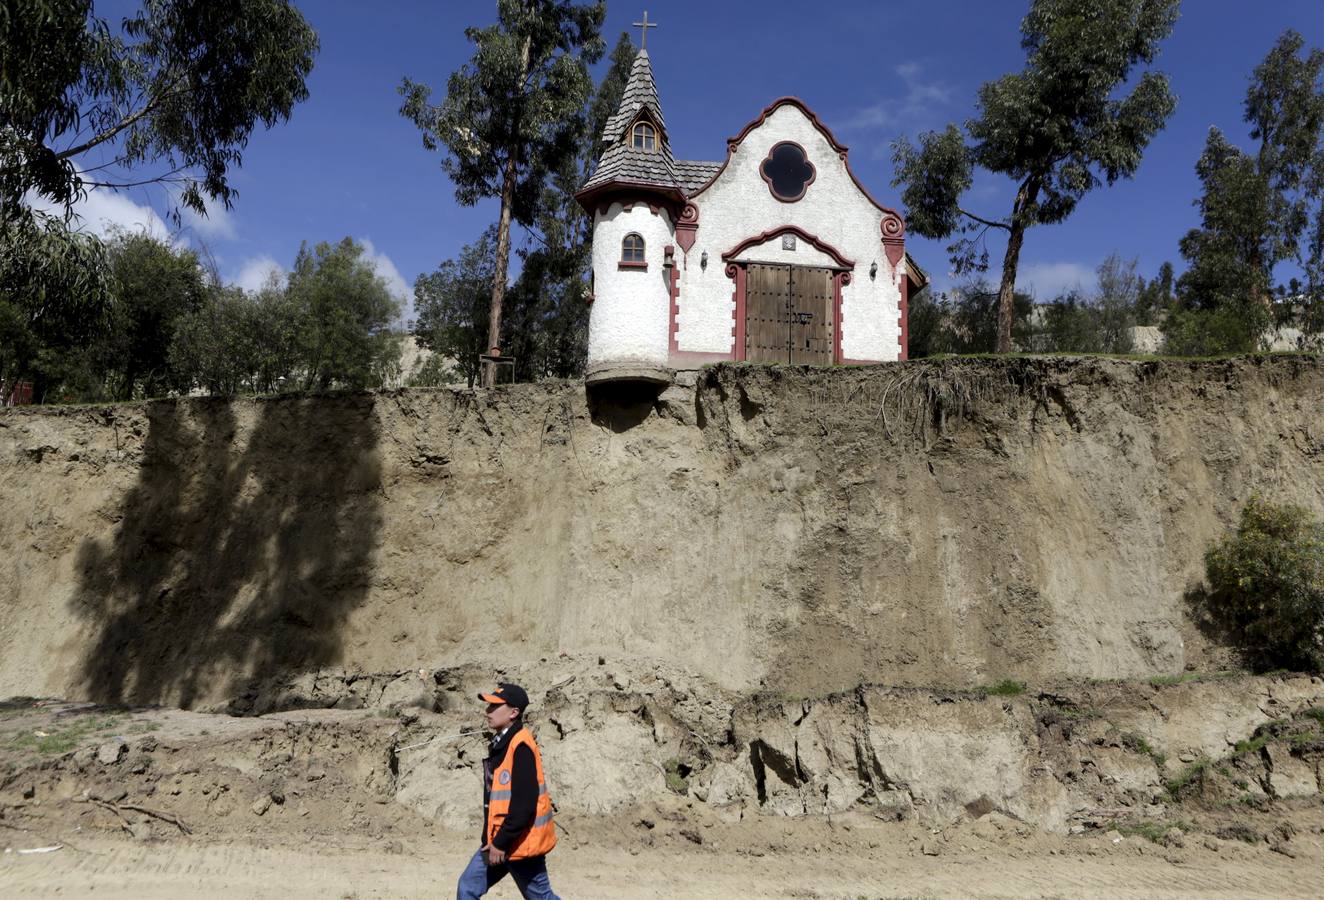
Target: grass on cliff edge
1008	687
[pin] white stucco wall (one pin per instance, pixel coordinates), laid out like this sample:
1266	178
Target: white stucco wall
739	205
630	316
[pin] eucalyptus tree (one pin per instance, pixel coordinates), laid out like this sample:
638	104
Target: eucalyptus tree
1059	128
1261	208
344	311
452	305
550	297
512	114
171	97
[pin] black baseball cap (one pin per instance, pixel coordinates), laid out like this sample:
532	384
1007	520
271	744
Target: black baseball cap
509	694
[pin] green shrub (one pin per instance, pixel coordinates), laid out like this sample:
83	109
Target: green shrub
677	776
1266	587
1006	688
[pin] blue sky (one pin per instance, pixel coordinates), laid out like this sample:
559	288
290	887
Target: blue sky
348	164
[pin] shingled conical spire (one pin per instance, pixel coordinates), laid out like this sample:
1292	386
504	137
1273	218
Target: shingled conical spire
640	91
624	166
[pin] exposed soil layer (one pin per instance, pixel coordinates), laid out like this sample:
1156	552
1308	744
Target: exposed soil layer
1206	788
793	530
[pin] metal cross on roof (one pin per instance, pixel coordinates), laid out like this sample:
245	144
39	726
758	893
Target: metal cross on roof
643	30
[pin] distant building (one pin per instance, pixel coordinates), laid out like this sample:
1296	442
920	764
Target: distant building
777	254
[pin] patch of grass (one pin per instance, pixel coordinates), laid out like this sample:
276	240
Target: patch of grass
1136	743
1304	738
63	739
1178	783
1186	677
677	776
1008	687
1316	713
1261	736
143	726
1154	832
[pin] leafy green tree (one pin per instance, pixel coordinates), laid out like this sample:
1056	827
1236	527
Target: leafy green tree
215	347
1266	587
1066	326
452	306
1256	209
1156	297
549	300
238	342
54	297
170	97
154	285
344	312
1056	128
512	114
178	92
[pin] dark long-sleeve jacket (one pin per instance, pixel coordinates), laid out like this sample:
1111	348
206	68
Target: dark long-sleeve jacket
523	789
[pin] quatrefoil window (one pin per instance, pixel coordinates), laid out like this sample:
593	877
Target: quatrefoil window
788	171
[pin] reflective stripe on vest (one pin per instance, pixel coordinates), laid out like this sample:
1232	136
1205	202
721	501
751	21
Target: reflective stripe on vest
540	837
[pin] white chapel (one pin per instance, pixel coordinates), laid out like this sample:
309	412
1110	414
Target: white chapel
777	254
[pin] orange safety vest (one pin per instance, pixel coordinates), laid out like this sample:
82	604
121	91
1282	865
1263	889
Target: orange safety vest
540	837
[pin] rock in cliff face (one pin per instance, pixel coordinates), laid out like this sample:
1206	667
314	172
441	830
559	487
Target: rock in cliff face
799	530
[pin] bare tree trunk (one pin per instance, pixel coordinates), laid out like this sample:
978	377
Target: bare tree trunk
499	277
1007	291
508	176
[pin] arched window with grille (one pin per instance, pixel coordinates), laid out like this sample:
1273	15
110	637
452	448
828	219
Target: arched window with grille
645	136
632	250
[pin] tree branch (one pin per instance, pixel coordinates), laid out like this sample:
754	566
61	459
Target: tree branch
982	221
110	133
127	122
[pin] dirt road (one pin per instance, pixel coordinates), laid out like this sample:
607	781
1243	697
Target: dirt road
1036	867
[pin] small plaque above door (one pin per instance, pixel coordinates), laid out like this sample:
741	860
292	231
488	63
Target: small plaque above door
788	242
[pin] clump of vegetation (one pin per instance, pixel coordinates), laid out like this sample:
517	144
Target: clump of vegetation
1239	831
1185	677
1255	743
64	739
677	776
1187	776
1154	832
1137	744
1266	587
1008	687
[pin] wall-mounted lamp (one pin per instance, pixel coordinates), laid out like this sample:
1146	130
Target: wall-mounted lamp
703	260
873	271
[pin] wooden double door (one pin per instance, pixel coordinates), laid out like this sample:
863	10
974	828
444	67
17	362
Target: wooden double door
789	315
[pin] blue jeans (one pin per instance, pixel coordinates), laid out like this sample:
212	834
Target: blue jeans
530	877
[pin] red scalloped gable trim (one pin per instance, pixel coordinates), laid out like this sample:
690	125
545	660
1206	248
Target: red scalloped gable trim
771	233
837	146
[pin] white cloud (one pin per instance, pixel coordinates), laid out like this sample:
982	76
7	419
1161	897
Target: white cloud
395	282
102	211
910	112
257	271
1047	281
218	223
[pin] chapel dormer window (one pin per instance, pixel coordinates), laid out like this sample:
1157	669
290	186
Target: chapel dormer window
645	136
632	250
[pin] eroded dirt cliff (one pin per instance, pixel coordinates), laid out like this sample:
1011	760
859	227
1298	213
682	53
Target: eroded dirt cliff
801	531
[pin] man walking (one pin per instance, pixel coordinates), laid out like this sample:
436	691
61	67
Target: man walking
517	810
